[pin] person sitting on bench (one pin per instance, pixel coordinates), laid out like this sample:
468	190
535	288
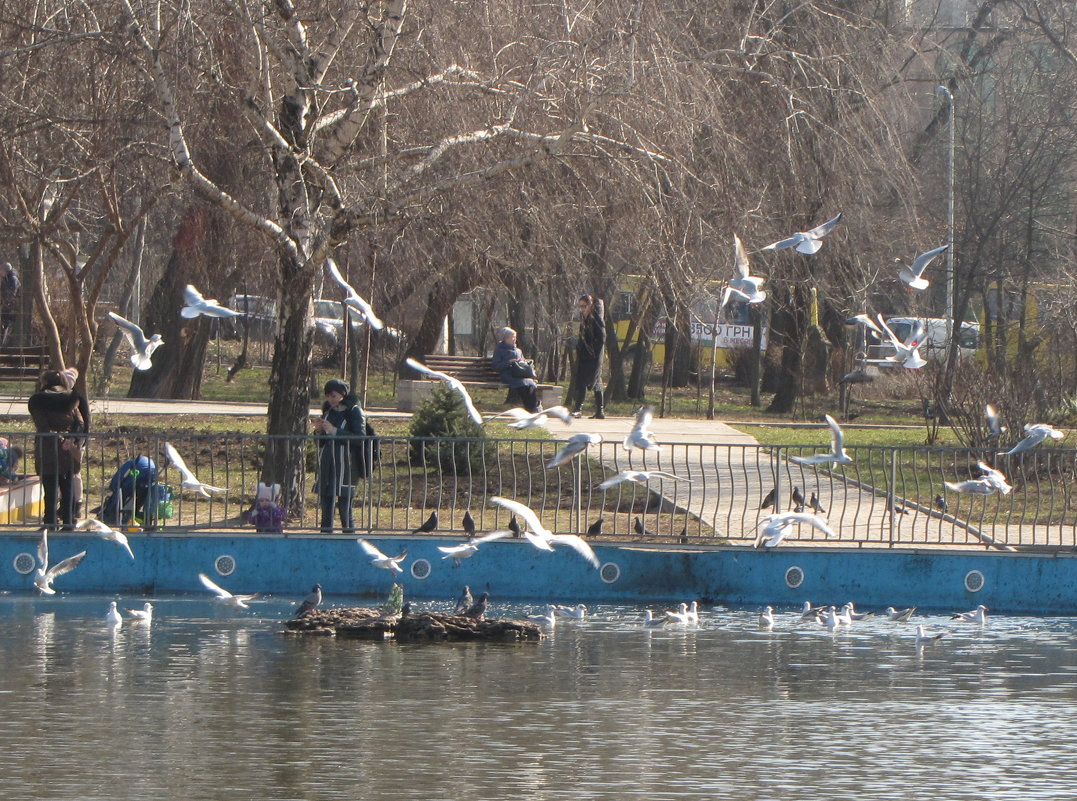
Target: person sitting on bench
516	372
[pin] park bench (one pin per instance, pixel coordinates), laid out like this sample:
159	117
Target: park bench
472	371
22	364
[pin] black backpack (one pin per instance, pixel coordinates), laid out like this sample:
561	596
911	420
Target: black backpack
375	444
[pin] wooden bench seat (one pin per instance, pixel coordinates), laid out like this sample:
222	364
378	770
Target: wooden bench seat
472	371
22	363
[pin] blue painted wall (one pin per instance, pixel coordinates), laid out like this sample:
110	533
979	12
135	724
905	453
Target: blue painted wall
514	570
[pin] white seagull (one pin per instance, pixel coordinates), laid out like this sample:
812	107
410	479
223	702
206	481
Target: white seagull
766	618
198	306
453	384
994	428
907	353
143	615
807	612
806	241
1034	435
638	477
682	617
524	419
378	559
991	481
867	322
912	275
541	537
776	527
223	595
923	638
743	286
113	617
850	611
354	300
547	619
837	454
105	533
899	615
190	481
141	348
641	435
577	612
45	575
977	615
650	621
575	446
468	549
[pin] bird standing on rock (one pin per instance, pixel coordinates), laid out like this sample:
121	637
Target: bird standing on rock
478	609
311	602
464	602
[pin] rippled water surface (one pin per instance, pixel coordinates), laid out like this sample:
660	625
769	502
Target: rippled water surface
209	703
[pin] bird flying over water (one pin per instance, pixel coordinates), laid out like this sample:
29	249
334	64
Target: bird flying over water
141	348
806	241
190	481
453	383
912	275
353	299
45	575
541	537
106	533
378	559
471	547
224	596
198	306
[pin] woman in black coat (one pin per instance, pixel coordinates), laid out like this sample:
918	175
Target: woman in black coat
342	459
589	346
62	419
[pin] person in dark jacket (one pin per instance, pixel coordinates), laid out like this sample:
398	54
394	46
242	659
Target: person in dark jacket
589	346
342	459
62	419
508	361
9	300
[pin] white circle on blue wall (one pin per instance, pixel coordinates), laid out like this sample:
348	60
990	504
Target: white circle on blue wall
794	577
24	563
974	581
609	572
225	565
420	569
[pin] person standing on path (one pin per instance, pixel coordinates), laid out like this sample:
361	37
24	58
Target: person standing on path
589	346
9	300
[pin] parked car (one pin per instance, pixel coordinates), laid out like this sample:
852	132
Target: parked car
260	314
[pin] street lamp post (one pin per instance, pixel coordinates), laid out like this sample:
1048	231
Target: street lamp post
949	97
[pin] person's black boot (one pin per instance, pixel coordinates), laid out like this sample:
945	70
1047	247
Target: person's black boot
600	405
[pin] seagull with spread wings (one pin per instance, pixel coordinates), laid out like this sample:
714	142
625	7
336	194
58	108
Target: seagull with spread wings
806	241
378	559
907	353
575	446
641	435
198	306
354	300
743	286
525	419
453	383
837	454
141	348
190	481
45	575
471	547
105	532
638	477
912	275
224	596
541	537
774	528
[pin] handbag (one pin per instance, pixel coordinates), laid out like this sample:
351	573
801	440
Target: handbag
521	369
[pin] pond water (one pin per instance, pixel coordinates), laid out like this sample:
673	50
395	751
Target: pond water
210	702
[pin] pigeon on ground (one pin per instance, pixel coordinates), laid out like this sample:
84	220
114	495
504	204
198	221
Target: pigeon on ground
769	498
469	524
595	529
815	505
940	503
798	500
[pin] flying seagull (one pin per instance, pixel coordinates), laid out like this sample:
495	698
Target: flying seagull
641	435
311	602
224	596
912	275
190	481
806	241
198	306
867	322
743	286
989	482
837	454
774	528
468	549
353	300
541	537
524	419
575	446
638	477
453	383
45	575
1034	435
378	559
994	428
907	353
105	533
141	348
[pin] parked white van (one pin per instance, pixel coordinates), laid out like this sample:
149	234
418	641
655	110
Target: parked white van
935	343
